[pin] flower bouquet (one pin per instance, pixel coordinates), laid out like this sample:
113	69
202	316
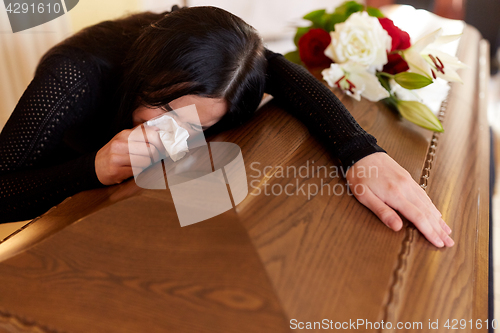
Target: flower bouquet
365	55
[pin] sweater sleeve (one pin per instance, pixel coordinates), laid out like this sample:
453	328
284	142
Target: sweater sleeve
38	166
319	109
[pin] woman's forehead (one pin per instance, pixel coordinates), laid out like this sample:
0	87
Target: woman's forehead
210	110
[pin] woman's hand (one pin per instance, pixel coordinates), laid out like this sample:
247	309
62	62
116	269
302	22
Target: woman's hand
113	162
390	187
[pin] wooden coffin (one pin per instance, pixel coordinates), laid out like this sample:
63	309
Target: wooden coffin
116	259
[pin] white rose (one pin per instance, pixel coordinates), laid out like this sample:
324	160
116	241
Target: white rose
360	39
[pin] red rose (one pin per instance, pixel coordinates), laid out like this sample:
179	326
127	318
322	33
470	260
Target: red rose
312	47
395	64
400	38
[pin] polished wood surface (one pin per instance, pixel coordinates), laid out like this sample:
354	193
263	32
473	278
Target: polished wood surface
115	259
131	268
459	185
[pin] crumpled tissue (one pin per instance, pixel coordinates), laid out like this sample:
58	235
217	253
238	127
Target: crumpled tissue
173	136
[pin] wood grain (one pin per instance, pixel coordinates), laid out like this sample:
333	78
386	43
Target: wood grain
325	243
131	268
453	283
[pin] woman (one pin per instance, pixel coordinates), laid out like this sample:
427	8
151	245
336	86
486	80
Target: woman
69	131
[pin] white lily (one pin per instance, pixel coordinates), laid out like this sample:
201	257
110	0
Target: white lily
423	58
432	95
355	80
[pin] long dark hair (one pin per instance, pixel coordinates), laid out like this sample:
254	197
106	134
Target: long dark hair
203	51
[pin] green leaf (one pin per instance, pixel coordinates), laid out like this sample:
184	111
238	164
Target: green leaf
294	57
420	115
341	13
385	74
301	31
332	19
375	12
392	103
348	7
412	80
384	80
316	17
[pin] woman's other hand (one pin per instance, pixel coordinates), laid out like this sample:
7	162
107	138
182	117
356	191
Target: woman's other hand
386	187
113	162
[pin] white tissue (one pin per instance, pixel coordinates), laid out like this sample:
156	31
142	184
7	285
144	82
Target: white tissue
173	136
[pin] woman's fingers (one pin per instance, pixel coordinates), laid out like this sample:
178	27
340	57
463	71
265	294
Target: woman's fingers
385	213
123	172
418	218
120	147
115	170
144	149
146	134
428	208
130	160
154	138
393	188
136	147
444	226
426	200
420	192
139	161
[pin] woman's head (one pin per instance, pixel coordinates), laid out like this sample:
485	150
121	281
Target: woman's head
202	54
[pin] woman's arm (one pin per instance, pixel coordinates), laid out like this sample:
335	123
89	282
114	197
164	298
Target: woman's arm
27	194
319	109
393	189
38	166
